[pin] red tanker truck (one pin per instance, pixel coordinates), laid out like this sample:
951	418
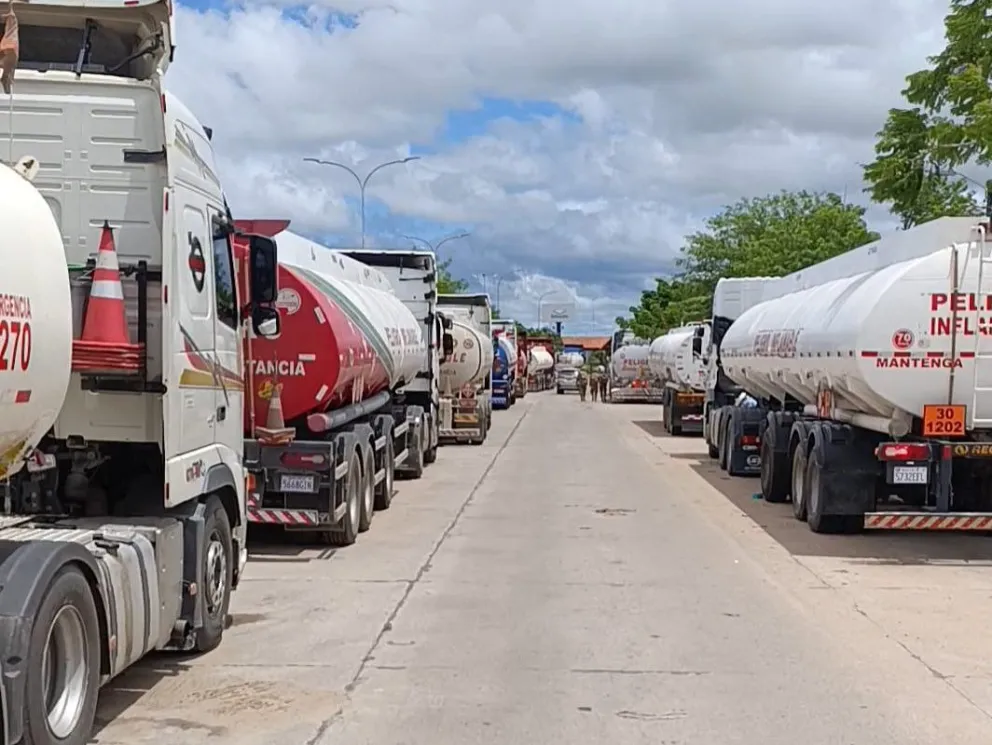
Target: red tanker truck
327	427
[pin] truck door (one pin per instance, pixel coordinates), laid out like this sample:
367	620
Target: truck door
229	393
193	410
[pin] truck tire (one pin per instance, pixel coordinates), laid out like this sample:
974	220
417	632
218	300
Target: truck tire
722	444
60	699
368	488
775	475
799	482
711	449
347	533
430	455
418	454
218	574
384	491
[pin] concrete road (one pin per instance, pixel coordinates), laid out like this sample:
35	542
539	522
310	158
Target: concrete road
574	580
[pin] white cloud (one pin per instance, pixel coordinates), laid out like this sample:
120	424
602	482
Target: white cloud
674	110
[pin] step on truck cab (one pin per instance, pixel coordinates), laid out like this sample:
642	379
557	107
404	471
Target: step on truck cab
122	483
466	373
330	421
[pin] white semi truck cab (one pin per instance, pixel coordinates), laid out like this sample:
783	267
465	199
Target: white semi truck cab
124	491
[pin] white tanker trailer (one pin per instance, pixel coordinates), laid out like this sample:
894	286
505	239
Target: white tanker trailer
631	377
466	372
872	375
540	360
675	358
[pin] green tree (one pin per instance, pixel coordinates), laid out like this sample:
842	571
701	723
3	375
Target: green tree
771	236
446	283
948	123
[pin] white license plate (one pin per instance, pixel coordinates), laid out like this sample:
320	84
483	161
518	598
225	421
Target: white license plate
910	474
754	460
297	483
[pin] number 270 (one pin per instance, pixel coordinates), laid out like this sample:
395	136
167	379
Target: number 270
15	345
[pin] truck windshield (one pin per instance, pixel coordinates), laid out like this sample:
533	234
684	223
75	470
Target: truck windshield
89	47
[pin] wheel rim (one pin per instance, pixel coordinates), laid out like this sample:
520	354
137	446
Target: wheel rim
369	486
64	672
216	575
353	500
798	470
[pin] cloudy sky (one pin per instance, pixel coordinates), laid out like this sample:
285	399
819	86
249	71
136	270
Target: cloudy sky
577	141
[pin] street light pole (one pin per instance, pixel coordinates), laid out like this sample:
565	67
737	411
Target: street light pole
362	182
435	247
539	300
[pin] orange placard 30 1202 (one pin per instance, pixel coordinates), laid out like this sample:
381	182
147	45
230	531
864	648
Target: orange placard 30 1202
943	420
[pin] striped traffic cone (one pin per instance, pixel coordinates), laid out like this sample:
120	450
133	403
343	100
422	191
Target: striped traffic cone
106	317
274	418
104	347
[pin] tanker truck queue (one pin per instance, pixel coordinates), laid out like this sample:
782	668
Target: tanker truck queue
858	389
173	374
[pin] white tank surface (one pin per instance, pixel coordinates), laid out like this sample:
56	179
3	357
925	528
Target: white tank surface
630	362
296	250
571	359
35	320
670	357
471	358
873	347
540	360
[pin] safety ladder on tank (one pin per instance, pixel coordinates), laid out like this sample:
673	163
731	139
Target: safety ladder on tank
980	412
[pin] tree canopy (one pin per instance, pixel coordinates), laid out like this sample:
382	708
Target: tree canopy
447	284
756	237
921	149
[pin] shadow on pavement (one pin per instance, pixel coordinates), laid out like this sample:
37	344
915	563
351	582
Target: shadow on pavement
898	547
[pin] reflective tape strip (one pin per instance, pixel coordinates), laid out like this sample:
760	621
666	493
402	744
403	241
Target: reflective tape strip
107	260
106	289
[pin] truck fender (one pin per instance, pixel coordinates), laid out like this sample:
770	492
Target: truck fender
26	570
848	465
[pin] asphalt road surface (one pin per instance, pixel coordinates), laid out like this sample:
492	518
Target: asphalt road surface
580	579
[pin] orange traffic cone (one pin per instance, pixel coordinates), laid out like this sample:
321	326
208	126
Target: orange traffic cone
104	345
106	317
274	419
275	431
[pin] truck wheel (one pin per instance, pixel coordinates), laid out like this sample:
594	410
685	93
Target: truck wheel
63	672
560	391
418	454
799	482
218	574
384	491
817	521
347	533
713	452
368	490
430	455
774	479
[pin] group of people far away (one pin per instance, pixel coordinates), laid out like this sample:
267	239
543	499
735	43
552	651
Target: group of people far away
593	383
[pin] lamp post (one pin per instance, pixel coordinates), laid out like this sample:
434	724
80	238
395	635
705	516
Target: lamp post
435	247
362	182
539	300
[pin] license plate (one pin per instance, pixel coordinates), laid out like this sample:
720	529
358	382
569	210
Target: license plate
297	483
910	474
754	460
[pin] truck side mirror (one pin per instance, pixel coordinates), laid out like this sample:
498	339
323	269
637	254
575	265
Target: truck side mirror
263	262
448	345
265	321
